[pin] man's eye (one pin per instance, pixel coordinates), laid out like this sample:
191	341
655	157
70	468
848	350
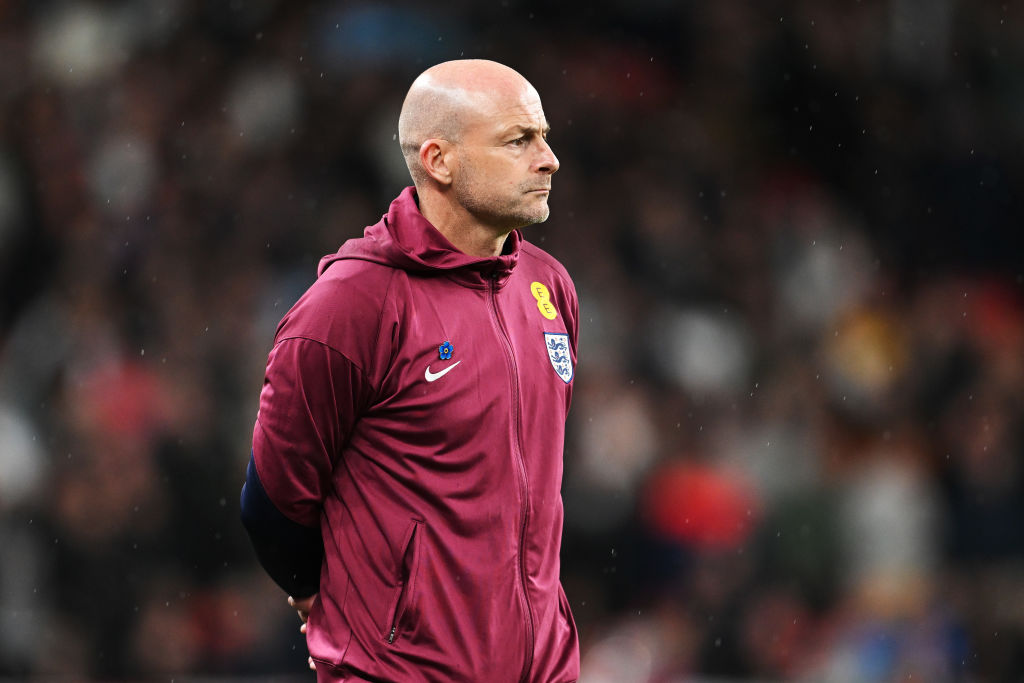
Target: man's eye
519	142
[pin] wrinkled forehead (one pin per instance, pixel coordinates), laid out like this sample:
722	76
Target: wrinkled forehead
503	107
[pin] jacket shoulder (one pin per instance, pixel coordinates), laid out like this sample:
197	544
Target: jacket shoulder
540	263
543	266
537	258
342	309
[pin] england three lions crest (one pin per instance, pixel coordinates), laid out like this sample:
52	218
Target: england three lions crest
557	345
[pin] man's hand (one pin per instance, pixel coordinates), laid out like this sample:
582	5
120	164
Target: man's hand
303	607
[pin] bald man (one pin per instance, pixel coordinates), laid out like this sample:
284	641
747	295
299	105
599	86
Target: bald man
407	455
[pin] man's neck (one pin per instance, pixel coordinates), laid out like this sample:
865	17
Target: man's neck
459	228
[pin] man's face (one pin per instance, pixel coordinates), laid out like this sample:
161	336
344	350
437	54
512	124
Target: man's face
504	170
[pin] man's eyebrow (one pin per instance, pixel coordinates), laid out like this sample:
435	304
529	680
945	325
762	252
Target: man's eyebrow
521	129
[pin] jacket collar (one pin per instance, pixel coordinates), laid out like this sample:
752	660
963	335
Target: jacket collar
425	246
404	239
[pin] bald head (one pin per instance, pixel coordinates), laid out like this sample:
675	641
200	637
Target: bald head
447	99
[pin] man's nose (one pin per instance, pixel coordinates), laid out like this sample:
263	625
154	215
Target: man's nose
547	162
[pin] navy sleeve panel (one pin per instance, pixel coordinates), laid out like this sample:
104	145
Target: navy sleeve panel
289	552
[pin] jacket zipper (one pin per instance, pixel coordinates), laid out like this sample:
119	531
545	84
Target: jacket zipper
524	483
408	568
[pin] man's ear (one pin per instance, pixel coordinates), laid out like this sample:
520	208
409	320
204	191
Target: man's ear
435	157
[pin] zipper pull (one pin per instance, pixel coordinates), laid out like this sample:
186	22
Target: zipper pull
391	638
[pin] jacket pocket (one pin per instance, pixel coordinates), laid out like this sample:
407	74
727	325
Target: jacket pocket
405	582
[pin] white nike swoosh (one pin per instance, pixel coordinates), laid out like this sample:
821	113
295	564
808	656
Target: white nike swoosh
431	376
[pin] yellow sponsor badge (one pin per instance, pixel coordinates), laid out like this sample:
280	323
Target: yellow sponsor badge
543	297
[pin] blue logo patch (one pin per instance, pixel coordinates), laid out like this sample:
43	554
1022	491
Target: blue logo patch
558	353
445	350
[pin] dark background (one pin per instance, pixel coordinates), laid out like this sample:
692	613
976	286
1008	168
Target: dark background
795	449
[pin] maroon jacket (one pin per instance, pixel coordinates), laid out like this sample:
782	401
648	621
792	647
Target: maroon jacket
414	407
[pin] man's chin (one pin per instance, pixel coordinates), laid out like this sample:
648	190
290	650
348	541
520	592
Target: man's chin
536	217
541	211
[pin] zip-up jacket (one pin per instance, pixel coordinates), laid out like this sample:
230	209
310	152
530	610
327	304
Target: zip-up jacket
414	410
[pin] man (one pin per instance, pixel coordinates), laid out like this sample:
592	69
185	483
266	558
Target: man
407	454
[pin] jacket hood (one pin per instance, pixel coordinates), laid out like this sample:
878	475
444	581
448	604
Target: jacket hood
404	239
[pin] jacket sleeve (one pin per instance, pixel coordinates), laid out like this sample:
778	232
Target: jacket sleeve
311	400
573	328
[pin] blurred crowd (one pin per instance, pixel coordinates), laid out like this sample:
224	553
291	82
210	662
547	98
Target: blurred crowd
796	449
